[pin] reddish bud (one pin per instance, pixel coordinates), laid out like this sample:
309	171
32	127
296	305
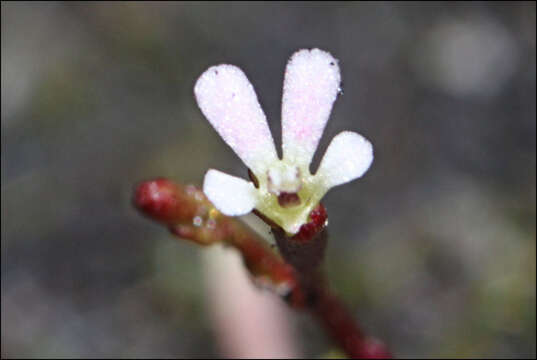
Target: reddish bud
164	201
317	223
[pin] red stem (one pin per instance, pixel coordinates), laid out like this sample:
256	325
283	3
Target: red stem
188	214
337	321
305	252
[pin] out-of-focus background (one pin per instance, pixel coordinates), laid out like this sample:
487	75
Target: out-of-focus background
433	249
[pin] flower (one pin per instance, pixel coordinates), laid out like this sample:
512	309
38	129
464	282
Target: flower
284	190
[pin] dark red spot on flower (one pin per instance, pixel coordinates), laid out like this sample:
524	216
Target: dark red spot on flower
288	199
317	222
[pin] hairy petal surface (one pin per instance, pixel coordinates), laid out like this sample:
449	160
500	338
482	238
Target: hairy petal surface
311	86
228	101
348	157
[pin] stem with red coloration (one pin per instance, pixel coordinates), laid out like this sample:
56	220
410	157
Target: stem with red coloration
188	214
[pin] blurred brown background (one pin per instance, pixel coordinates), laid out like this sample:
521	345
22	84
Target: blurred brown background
434	249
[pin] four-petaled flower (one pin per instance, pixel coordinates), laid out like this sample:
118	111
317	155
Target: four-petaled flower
284	191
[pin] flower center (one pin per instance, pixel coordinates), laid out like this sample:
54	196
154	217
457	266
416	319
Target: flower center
287	193
283	179
288	199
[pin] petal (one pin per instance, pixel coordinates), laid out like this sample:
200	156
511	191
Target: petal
310	88
228	101
348	157
231	195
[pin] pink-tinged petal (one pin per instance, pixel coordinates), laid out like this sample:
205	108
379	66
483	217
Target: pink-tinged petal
310	88
228	101
348	157
231	195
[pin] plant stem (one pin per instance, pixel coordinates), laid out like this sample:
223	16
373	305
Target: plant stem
188	214
305	256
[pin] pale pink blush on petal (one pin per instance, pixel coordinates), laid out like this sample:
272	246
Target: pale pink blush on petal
311	86
348	157
228	101
231	195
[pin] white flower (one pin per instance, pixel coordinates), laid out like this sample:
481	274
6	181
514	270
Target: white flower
286	191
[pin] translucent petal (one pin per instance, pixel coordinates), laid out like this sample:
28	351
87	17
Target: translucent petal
310	88
348	157
228	101
231	195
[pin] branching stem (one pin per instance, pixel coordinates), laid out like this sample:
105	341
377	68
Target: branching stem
295	275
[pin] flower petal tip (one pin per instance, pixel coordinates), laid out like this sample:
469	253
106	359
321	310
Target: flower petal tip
347	158
311	85
231	195
228	100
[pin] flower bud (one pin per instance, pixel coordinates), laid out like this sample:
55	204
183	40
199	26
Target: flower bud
167	202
